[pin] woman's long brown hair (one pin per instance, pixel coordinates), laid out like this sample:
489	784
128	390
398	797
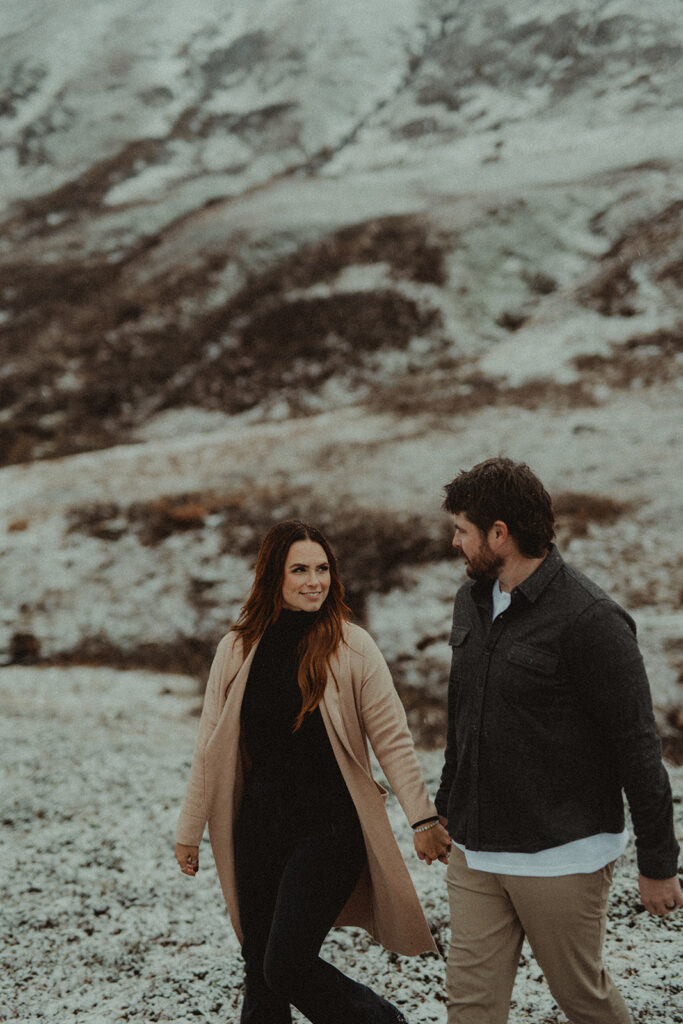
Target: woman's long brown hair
265	603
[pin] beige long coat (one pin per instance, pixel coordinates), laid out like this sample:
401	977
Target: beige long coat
362	705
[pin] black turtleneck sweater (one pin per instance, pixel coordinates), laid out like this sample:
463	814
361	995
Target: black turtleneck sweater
299	768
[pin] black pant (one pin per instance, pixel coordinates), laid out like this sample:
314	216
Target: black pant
292	883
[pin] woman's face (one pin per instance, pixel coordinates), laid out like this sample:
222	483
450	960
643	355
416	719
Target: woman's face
307	577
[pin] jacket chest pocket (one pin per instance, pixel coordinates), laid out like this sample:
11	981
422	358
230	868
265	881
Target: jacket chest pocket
458	643
533	659
458	635
532	676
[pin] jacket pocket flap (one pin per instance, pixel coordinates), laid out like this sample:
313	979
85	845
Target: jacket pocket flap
458	635
533	658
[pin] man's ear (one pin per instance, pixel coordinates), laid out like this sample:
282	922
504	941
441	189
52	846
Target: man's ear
498	534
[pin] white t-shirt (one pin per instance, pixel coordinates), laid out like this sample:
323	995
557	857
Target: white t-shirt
576	858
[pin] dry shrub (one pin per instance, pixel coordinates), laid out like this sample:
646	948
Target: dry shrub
131	348
512	320
88	190
372	546
672	272
643	597
540	283
575	511
186	516
654	242
422	684
672	736
97	519
403	243
19	442
24	649
152	521
427	719
185	655
453	388
650	358
611	292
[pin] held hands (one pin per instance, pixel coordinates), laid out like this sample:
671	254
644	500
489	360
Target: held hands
660	896
188	858
434	844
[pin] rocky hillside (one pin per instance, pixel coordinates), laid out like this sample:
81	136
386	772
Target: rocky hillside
304	258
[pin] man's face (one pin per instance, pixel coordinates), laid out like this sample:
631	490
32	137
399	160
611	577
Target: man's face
470	543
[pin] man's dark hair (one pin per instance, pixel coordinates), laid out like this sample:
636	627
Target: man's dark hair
502	489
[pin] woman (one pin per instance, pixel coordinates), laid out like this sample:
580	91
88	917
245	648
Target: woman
281	773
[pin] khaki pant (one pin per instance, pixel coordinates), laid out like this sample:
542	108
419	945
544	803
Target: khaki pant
564	920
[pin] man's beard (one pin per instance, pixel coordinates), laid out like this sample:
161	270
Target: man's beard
484	565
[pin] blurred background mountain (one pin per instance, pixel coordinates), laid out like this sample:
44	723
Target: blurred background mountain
310	258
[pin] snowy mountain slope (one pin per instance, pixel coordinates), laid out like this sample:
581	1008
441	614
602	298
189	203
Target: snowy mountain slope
184	184
169	93
236	93
312	259
286	310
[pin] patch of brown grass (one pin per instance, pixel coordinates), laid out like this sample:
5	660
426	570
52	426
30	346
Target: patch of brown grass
649	358
454	388
373	547
612	292
18	526
672	737
403	243
190	656
24	649
131	348
575	511
427	720
653	243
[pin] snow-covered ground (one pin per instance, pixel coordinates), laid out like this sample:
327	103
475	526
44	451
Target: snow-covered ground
99	925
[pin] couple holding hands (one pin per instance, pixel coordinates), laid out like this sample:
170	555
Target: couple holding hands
549	721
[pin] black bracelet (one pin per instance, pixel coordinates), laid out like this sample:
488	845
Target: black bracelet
423	821
425	828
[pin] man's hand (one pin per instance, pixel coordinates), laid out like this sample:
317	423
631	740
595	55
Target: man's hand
434	844
660	895
188	858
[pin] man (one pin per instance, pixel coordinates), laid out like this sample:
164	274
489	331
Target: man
549	719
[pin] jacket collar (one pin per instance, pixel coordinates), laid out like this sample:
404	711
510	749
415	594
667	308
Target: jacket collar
531	588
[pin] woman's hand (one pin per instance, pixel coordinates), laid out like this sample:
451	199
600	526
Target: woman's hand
188	858
433	844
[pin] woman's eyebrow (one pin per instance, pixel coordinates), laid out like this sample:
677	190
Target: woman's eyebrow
305	565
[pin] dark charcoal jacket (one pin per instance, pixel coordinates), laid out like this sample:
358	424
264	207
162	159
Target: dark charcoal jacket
549	719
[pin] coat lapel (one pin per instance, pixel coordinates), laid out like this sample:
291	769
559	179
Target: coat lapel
332	711
226	732
234	689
